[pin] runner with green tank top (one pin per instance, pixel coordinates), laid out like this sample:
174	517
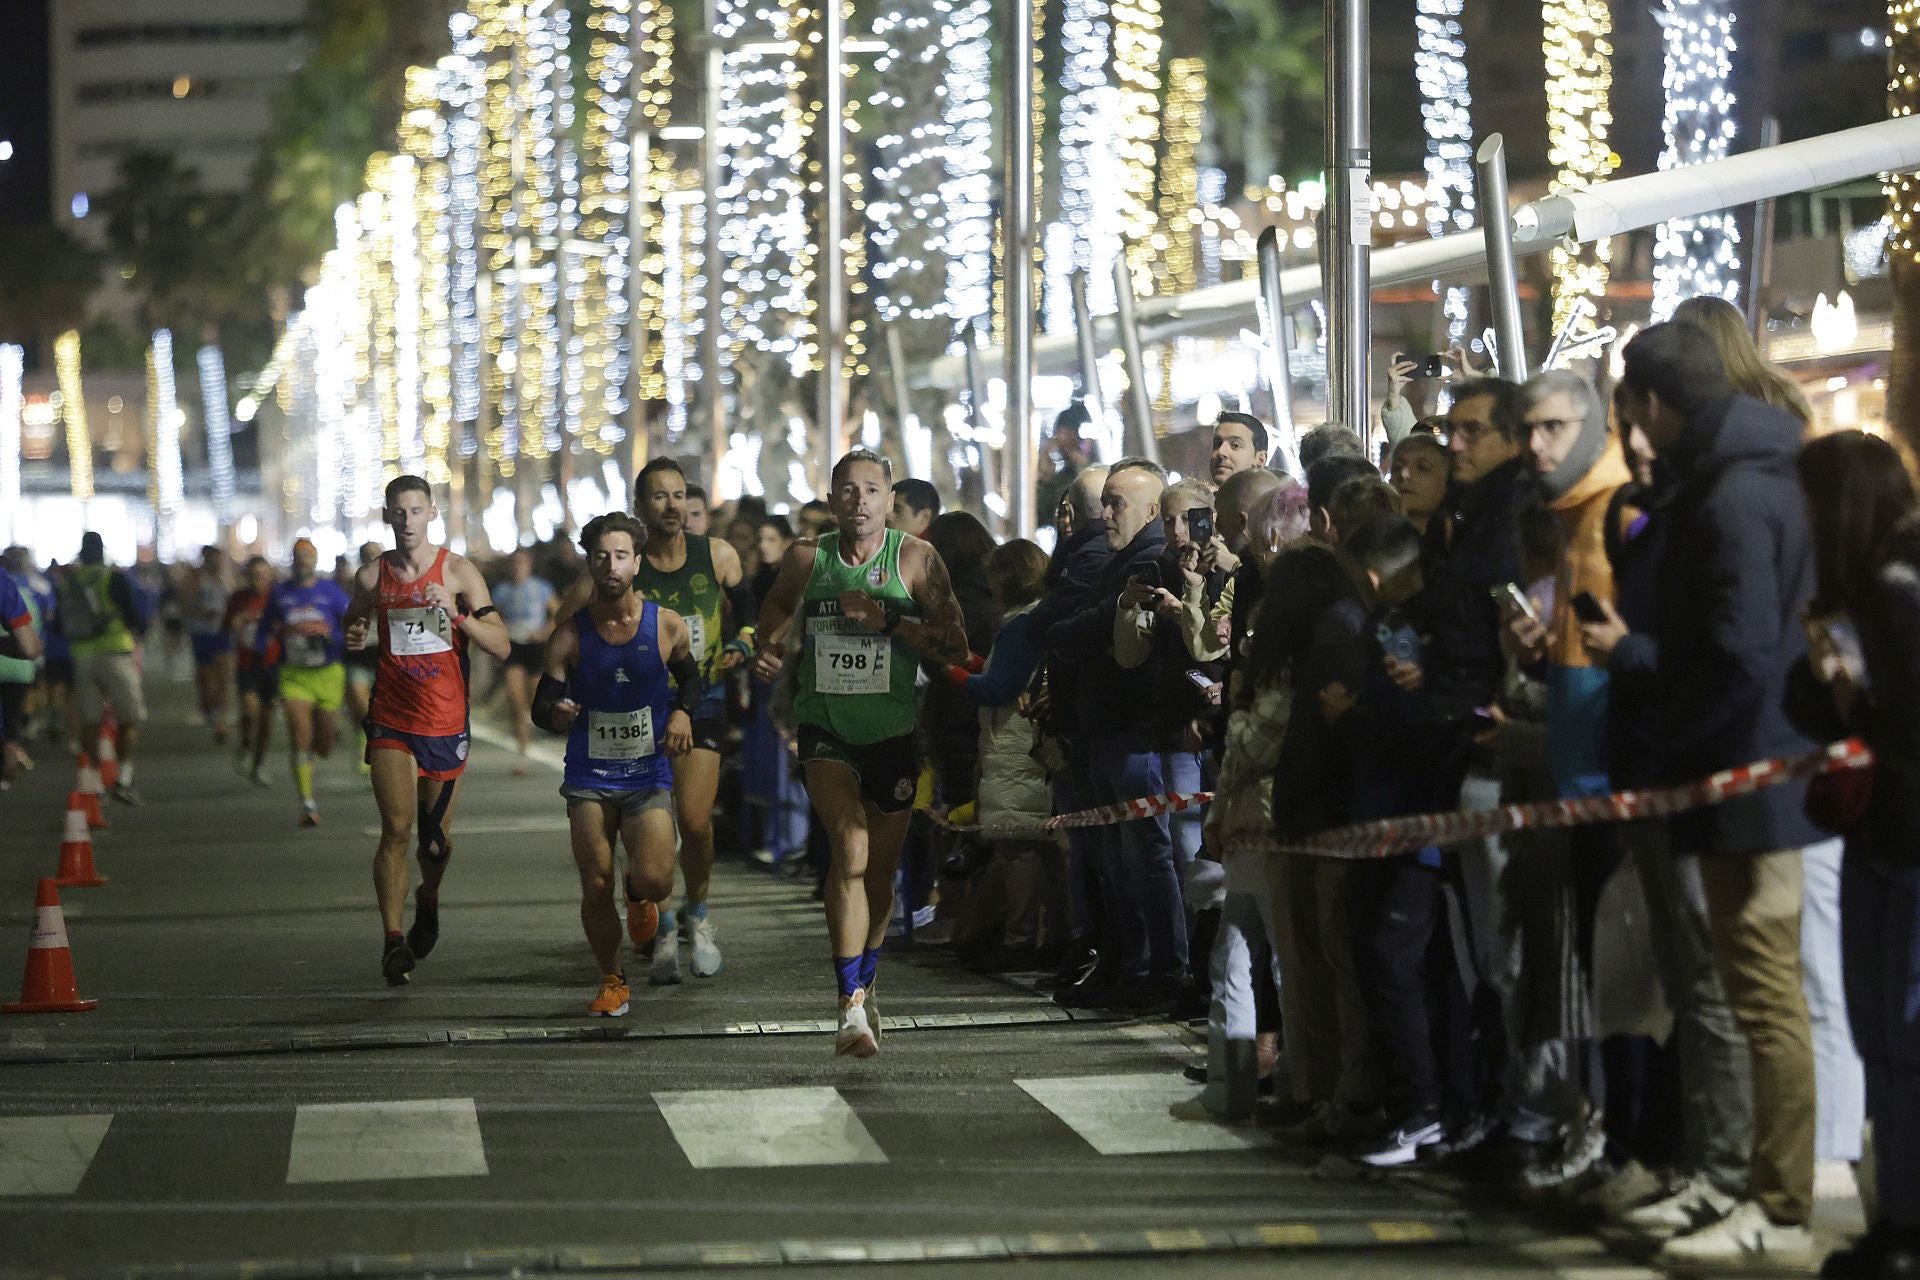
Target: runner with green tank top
700	579
96	609
874	602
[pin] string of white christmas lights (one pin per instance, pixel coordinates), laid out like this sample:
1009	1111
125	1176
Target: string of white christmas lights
1695	256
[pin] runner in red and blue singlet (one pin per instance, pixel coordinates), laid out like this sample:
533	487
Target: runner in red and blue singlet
424	604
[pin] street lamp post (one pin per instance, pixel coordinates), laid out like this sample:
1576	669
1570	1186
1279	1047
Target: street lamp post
832	305
1016	238
1349	213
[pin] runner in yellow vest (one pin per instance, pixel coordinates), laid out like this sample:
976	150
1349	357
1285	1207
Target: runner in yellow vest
874	601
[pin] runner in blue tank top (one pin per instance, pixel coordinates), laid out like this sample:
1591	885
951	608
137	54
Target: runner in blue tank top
606	686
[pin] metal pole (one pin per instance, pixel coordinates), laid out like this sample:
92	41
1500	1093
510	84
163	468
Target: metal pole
897	379
977	419
1089	358
1350	202
1761	268
1496	224
832	307
639	153
1139	407
1273	312
1017	241
713	404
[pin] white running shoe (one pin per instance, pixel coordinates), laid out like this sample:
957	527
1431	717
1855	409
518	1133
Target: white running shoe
706	948
873	1011
1694	1204
665	969
856	1038
1403	1144
1744	1240
1834	1180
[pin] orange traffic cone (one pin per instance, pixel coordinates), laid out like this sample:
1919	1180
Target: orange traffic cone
49	986
76	848
90	789
108	756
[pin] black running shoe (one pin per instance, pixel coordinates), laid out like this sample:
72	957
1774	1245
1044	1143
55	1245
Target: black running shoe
396	962
426	926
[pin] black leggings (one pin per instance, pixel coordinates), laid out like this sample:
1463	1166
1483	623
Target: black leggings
13	712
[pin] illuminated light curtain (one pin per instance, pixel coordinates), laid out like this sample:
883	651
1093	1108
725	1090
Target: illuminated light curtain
73	411
1446	111
217	424
547	117
164	482
1578	44
498	47
12	360
424	139
683	232
1136	60
1183	119
808	101
763	243
462	89
966	194
386	215
1903	98
607	219
655	102
1087	235
1694	256
909	224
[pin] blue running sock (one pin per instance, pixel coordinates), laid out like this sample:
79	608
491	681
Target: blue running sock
846	969
869	965
694	910
666	923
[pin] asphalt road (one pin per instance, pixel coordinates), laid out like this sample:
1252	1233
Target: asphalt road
250	1093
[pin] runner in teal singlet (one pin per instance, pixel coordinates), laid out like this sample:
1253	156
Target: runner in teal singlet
874	603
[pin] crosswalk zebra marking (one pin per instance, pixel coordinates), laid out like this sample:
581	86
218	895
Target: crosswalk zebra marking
765	1128
48	1155
1127	1115
377	1141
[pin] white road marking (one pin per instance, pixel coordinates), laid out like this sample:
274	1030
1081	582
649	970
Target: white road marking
377	1141
48	1155
763	1128
1128	1115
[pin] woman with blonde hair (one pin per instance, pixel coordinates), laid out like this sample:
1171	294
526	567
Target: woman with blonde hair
1749	373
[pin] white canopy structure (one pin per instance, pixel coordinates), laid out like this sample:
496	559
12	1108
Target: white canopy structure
1592	213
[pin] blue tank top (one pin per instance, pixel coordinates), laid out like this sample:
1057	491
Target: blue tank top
617	742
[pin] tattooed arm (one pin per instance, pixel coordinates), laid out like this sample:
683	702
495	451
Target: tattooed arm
939	634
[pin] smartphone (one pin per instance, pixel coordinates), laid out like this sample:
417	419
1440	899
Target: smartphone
1483	718
1433	366
1148	574
1200	526
1200	679
1510	596
1588	609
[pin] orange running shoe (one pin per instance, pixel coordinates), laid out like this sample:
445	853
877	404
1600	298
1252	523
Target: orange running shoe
643	921
613	998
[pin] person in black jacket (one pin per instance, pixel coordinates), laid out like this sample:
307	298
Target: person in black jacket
1716	1089
1862	676
1736	573
1078	559
1119	738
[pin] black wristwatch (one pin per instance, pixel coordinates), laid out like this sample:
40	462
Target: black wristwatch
891	614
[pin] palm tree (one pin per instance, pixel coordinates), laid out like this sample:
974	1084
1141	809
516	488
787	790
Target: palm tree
47	277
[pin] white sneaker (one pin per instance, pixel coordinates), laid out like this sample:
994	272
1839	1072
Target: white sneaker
873	1012
706	948
1834	1180
1403	1144
1694	1204
1745	1239
856	1038
665	969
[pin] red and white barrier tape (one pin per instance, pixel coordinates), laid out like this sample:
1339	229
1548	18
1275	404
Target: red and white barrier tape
1386	836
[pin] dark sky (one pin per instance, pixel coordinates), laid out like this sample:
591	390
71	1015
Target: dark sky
26	179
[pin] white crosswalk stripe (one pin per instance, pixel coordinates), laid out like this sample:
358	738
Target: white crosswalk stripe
48	1155
762	1128
376	1141
1125	1115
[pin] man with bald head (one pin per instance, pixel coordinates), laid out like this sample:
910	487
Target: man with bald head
1115	745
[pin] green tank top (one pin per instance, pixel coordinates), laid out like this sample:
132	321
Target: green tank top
692	591
112	636
855	683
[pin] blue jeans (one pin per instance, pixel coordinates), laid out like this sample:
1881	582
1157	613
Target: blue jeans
1840	1091
1880	938
1182	772
1138	855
